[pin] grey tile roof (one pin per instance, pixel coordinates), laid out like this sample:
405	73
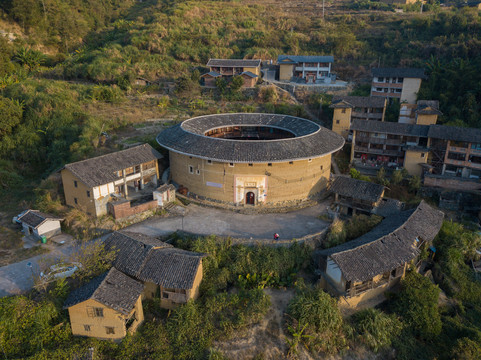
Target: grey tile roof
35	218
234	62
311	139
305	58
249	74
358	101
132	250
390	127
101	170
416	73
455	133
357	189
171	268
388	245
149	259
113	289
212	73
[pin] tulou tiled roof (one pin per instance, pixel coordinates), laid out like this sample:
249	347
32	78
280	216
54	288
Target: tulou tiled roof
114	289
358	101
234	62
416	73
35	218
101	170
390	127
387	246
311	140
296	59
149	259
357	189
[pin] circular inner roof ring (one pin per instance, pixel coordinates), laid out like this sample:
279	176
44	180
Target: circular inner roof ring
310	141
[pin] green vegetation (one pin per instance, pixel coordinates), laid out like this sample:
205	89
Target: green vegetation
315	321
247	267
376	329
341	231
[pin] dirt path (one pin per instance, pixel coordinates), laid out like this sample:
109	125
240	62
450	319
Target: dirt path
266	339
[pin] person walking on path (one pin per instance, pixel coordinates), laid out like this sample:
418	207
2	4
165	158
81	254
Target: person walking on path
276	236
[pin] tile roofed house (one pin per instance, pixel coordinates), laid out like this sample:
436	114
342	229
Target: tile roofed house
234	63
132	250
375	261
352	195
249	69
90	184
397	83
40	224
107	307
103	169
424	112
358	101
172	273
309	69
350	108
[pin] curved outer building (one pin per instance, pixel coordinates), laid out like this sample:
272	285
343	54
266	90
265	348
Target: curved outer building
250	159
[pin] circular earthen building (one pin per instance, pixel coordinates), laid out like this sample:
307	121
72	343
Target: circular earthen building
250	159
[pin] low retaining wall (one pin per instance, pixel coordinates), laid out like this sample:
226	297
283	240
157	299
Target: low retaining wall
122	209
311	240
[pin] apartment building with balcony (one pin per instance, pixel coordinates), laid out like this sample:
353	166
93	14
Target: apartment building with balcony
349	108
394	145
397	83
455	157
91	184
305	69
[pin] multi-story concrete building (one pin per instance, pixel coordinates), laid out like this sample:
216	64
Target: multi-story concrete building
91	184
307	69
349	108
446	156
397	83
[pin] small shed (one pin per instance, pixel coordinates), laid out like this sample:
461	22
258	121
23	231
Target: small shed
250	79
40	224
352	195
165	194
209	78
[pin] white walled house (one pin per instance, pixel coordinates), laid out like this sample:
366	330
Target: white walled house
40	224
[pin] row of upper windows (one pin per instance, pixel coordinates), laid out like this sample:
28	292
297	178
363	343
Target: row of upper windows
386	90
394	80
191	167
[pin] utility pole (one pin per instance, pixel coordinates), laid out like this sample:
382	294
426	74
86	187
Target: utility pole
322	9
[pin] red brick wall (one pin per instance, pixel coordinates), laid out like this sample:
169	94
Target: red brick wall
450	183
123	209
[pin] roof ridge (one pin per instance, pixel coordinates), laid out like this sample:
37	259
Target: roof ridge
104	155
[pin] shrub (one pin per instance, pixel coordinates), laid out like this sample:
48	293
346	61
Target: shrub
376	329
466	349
316	313
417	303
